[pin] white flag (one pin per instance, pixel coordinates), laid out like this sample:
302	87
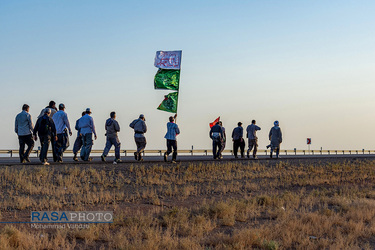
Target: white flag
168	59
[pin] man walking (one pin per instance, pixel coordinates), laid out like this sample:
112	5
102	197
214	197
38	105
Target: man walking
87	127
46	130
275	137
62	126
52	107
172	132
139	126
112	127
238	141
252	139
216	134
24	129
78	142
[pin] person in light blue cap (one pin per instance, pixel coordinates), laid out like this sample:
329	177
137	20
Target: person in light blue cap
275	137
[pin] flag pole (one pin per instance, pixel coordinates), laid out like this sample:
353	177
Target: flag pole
178	90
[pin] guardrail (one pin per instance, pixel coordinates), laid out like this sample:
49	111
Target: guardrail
14	152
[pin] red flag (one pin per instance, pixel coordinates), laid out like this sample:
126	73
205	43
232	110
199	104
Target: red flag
214	122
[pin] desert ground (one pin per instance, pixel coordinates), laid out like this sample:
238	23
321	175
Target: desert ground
322	203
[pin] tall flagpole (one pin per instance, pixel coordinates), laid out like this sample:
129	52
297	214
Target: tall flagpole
178	90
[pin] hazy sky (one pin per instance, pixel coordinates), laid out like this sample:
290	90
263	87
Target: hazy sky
308	64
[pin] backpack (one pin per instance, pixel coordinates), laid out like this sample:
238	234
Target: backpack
44	125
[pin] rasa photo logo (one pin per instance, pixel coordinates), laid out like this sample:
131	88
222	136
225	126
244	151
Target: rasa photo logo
72	217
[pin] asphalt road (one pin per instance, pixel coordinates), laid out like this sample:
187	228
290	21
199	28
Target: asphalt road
8	161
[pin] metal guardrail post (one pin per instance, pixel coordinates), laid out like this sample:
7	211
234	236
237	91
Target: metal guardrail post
286	152
312	152
329	152
11	153
160	153
304	152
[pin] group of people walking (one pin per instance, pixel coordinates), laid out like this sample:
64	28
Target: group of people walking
218	136
53	127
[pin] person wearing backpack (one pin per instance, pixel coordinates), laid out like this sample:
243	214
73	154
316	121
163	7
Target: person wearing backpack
216	134
46	130
140	128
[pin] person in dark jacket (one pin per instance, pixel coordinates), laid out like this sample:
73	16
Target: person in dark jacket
112	127
140	128
52	107
276	139
78	142
45	128
216	134
238	141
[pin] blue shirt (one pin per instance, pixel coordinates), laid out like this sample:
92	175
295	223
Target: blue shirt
172	131
86	125
61	122
251	131
23	124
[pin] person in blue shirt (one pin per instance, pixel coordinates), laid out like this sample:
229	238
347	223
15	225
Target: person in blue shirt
172	132
24	129
62	127
112	127
87	128
78	142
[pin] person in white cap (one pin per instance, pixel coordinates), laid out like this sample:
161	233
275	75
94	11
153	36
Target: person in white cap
87	128
62	127
45	128
139	126
275	137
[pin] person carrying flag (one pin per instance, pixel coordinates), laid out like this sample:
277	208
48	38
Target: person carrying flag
172	132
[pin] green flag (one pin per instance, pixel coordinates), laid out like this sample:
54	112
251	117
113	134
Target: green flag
167	79
169	103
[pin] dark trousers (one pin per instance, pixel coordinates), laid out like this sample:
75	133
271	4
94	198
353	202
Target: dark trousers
253	143
61	145
44	143
86	147
112	141
53	142
240	143
77	144
216	148
25	140
276	149
172	144
141	144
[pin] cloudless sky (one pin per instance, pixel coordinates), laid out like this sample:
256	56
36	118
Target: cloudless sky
308	64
